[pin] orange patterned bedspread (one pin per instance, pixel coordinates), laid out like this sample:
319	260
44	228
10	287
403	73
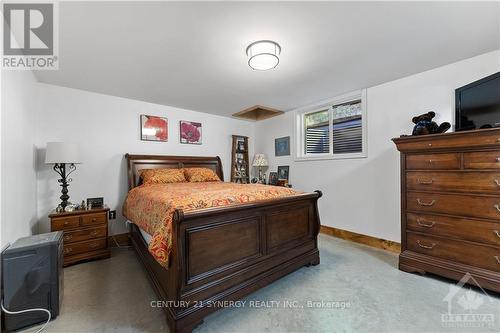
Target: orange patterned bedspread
151	207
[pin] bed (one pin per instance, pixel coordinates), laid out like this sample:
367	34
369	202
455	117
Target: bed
224	253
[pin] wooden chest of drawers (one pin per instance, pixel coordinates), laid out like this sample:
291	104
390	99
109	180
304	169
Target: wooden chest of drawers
450	205
85	234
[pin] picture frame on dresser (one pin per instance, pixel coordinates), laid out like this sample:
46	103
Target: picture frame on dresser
450	205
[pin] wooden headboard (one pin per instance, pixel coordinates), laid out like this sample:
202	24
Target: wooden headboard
139	162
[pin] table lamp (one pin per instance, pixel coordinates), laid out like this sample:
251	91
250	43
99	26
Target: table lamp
260	161
63	156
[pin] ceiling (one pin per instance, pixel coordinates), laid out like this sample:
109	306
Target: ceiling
192	55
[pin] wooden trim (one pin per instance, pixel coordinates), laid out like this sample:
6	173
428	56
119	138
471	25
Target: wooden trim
258	112
121	239
362	239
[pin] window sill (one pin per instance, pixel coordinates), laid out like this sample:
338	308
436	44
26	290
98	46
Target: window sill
330	157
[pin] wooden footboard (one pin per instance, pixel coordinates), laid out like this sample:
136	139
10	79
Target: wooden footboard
223	254
226	253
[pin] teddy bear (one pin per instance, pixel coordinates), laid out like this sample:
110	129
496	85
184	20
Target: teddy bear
424	125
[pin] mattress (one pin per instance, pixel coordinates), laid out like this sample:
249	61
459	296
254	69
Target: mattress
147	237
152	207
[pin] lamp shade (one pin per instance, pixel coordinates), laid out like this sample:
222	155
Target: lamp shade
62	152
259	160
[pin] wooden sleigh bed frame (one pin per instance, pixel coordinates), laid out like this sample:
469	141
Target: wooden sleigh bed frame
223	254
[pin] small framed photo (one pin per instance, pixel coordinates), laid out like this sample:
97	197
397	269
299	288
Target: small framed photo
282	146
283	172
273	178
154	128
190	132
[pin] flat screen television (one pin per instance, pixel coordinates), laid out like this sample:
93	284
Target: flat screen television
477	105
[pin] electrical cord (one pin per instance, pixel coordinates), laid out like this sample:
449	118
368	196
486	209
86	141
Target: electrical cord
30	310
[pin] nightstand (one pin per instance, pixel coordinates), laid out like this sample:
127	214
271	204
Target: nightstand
85	234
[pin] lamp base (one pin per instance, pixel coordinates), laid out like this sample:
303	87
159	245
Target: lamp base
60	169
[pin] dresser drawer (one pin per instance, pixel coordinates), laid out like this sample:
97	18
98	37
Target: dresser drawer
68	222
454	227
92	219
484	256
479	182
454	204
482	160
84	234
85	246
433	161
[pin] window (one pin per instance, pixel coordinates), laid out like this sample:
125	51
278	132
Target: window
335	130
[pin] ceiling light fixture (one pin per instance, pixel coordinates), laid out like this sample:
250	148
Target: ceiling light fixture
263	55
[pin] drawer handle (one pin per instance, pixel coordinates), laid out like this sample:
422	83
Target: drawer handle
430	247
94	220
66	222
498	259
421	223
497	233
430	161
498	159
497	182
93	245
497	207
68	250
68	237
426	182
428	204
93	233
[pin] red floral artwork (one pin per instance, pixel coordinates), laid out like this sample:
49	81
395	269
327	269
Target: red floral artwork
190	132
154	128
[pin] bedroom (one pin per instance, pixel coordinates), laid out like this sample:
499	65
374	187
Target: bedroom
375	232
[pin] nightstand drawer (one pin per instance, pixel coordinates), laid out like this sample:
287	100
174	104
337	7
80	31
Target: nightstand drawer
92	219
68	222
85	234
85	246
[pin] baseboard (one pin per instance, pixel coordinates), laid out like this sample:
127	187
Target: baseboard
119	240
362	239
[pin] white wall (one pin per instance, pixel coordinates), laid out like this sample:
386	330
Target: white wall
18	181
106	128
363	195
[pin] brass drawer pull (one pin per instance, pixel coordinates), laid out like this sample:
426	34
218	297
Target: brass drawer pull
497	182
66	222
68	237
421	223
498	259
426	182
93	245
94	220
497	207
93	233
428	204
497	233
68	250
430	247
498	159
430	161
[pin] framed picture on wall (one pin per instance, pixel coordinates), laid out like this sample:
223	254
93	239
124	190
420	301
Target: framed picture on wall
282	146
154	128
283	172
190	132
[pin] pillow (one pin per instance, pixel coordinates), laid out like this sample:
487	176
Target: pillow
162	176
195	175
